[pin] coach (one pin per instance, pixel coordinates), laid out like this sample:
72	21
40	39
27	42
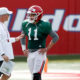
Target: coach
6	50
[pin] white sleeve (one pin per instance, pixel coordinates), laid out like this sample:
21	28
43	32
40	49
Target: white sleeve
1	48
12	40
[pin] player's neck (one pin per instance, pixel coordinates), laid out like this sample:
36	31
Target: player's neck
35	22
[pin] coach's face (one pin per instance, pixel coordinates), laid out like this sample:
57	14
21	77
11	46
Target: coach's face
5	17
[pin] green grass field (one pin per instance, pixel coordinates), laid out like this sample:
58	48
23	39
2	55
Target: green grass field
58	66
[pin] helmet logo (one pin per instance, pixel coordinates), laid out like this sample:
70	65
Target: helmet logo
36	13
33	10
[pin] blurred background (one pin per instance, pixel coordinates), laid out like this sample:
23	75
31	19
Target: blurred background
64	56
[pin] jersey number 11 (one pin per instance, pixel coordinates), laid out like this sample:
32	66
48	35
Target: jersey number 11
35	34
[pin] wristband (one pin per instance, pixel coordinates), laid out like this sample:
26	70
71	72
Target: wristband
23	47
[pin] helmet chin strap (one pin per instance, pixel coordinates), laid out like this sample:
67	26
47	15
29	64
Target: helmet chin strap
30	21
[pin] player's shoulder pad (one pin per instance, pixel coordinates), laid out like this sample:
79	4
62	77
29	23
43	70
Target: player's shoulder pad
46	23
46	26
24	23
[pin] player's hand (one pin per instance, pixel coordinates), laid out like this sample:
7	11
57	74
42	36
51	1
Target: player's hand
5	58
26	52
19	37
43	50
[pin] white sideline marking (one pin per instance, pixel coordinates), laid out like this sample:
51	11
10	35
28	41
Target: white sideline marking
25	74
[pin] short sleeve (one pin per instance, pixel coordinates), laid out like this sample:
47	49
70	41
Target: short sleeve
24	26
47	27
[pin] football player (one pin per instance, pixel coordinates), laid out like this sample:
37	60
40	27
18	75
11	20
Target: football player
37	31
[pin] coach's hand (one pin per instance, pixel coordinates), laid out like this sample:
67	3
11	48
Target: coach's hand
5	58
43	50
26	52
19	37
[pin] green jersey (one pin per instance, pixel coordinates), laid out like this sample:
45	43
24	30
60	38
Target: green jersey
36	33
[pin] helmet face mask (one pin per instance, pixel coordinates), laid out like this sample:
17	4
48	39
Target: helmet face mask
31	17
34	14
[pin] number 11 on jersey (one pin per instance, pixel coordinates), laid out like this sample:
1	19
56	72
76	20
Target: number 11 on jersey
35	34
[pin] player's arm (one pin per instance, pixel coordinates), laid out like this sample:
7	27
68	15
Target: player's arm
55	38
23	44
